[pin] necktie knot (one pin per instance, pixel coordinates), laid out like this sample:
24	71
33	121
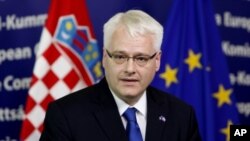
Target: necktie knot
129	114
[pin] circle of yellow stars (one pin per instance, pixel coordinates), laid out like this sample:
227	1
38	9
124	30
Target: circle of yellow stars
193	61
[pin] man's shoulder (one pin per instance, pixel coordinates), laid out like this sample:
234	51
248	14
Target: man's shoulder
82	98
84	92
169	99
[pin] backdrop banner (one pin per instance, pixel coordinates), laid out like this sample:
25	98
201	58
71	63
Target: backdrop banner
22	28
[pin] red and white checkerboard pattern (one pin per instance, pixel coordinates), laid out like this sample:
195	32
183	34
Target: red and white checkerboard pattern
54	76
58	70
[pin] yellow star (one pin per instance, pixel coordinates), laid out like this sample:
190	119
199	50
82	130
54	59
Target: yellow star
169	76
226	130
223	96
193	60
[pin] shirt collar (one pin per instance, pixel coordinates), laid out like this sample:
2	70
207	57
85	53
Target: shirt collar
141	104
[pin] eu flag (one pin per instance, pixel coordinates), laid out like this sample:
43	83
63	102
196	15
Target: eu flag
194	68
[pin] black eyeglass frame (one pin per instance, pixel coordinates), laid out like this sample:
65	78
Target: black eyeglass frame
134	58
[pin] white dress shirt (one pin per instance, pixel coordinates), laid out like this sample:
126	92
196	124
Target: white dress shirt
141	113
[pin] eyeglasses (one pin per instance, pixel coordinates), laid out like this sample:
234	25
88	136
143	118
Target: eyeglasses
140	60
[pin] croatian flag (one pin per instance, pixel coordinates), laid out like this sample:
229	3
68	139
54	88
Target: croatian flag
68	59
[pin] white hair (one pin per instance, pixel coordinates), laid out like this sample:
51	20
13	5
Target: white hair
137	23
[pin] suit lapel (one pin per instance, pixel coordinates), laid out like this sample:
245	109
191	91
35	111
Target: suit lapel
108	115
157	119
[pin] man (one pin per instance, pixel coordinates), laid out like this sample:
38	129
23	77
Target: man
122	106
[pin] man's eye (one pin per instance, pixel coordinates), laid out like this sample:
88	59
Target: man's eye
142	59
119	56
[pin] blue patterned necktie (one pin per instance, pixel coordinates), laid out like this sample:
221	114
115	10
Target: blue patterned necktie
132	130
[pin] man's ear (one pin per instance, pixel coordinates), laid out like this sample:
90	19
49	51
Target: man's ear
104	55
158	61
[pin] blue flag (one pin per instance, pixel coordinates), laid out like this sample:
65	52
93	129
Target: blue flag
194	68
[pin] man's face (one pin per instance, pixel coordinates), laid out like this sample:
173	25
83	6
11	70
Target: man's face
129	80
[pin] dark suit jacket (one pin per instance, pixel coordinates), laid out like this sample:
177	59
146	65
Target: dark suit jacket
91	114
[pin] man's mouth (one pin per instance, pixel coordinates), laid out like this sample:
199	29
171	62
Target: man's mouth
129	80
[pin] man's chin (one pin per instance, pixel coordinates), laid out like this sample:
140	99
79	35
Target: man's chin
129	90
131	94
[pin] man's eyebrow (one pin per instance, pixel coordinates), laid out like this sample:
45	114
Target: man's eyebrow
136	54
121	52
141	54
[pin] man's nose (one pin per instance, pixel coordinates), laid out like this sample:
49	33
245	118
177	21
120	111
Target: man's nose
130	66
